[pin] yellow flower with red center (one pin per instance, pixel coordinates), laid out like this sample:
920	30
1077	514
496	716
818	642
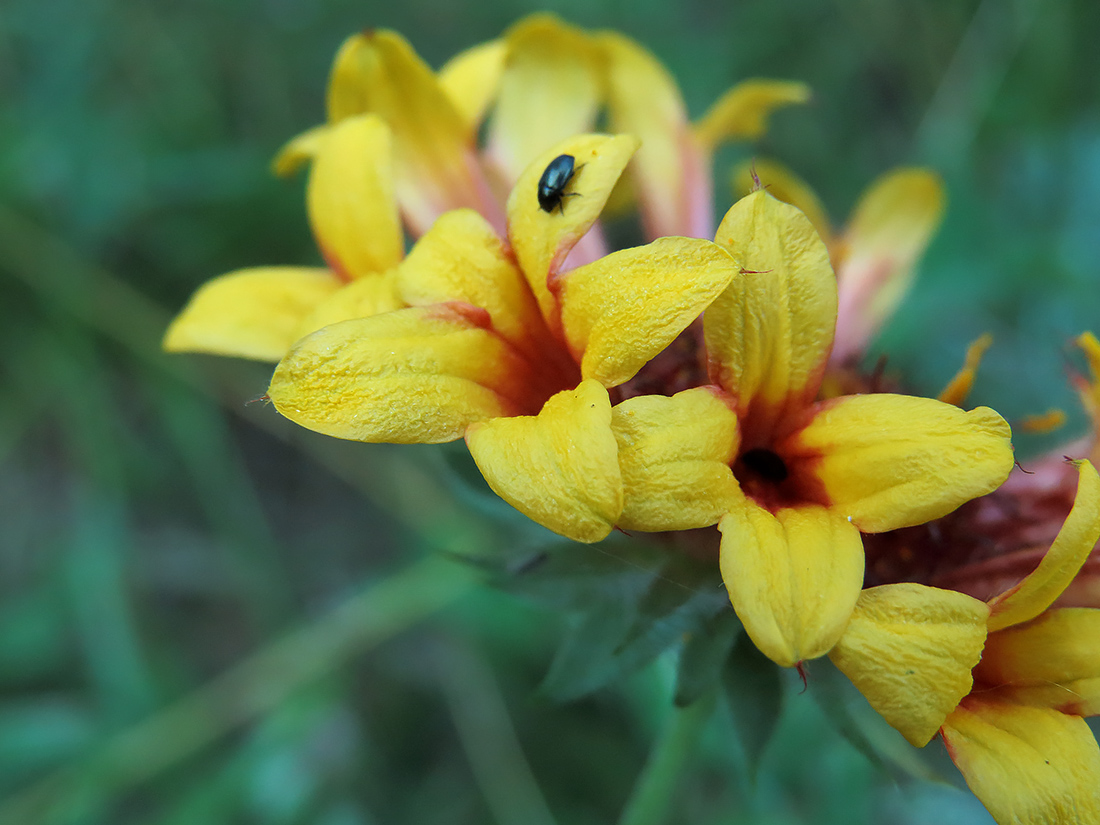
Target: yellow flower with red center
791	481
504	346
1011	713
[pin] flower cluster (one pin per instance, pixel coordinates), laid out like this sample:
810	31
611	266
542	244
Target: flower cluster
708	377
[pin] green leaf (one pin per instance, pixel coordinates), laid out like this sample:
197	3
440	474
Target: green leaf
631	602
678	603
574	576
586	659
704	656
754	691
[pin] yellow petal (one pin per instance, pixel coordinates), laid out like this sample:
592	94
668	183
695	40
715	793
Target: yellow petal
471	80
793	577
550	90
419	375
889	231
892	461
461	259
1053	661
768	334
298	151
348	86
909	649
541	239
559	467
742	112
370	295
251	313
435	169
675	455
350	198
668	171
786	186
621	310
958	388
1028	766
1069	551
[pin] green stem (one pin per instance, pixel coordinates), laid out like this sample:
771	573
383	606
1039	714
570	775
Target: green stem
653	791
253	687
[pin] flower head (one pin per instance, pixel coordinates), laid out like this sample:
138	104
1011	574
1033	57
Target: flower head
793	481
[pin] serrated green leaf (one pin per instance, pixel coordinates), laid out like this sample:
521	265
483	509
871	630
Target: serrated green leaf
704	656
679	602
574	576
586	659
633	601
754	691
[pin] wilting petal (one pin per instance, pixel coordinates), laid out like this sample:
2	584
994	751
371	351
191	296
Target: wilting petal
350	198
419	375
668	171
621	310
550	90
370	295
958	388
768	334
910	649
461	258
541	239
1053	661
743	111
890	461
471	80
786	186
675	455
1031	766
251	313
793	577
1072	546
888	232
298	151
435	170
559	467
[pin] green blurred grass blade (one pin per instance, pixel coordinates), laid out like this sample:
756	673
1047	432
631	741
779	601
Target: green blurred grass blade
250	689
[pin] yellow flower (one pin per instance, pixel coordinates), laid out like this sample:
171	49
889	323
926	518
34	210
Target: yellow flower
790	481
1011	714
258	313
503	345
876	253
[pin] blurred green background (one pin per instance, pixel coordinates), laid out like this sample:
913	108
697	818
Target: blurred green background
208	616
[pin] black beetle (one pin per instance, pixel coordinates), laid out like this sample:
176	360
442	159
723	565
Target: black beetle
552	184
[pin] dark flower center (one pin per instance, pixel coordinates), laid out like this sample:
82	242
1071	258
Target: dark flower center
766	465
